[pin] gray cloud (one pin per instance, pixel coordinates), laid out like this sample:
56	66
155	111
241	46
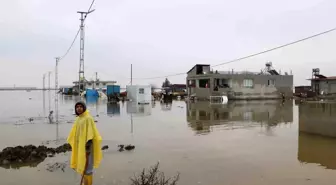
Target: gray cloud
162	37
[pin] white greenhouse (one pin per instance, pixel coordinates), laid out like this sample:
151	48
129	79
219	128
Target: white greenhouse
141	94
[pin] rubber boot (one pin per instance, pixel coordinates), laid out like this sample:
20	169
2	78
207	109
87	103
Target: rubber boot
87	179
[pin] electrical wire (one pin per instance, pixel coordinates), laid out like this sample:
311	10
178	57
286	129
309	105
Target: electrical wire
74	40
177	74
93	1
275	48
253	55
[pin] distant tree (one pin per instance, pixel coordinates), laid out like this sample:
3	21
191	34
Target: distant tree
153	87
166	83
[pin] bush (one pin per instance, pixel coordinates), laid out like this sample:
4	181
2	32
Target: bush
153	176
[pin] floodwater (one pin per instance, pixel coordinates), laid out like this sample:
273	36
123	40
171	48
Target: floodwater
240	143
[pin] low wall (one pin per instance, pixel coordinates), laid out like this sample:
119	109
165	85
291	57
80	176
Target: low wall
318	118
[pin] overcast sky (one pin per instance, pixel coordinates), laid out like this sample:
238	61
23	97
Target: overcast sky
162	37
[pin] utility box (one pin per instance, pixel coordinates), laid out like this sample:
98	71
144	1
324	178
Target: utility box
112	89
141	94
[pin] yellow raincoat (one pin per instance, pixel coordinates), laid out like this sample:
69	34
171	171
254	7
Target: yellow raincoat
83	130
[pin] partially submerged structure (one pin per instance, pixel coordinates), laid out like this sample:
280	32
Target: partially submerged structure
321	84
96	84
66	90
304	92
141	94
267	84
134	108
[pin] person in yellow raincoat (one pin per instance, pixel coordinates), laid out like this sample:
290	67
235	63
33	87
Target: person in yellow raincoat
85	142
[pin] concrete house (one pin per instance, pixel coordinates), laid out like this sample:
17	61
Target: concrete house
267	84
321	84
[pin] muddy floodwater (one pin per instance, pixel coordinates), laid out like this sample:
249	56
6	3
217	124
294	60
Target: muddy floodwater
241	143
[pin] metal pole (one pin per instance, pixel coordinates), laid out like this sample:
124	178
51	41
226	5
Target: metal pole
81	78
43	91
43	82
81	53
56	89
49	90
131	75
132	123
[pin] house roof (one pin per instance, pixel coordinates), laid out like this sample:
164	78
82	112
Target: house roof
100	81
323	78
179	85
197	65
66	86
303	86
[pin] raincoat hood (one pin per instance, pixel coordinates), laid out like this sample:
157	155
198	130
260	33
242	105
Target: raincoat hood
80	103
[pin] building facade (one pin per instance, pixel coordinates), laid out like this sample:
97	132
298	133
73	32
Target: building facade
324	85
96	84
269	84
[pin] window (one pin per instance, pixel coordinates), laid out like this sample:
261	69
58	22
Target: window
223	83
204	83
141	91
191	83
97	84
248	83
271	82
104	84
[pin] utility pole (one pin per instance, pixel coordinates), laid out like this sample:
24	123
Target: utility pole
131	75
56	89
81	78
49	73
43	82
49	90
43	91
95	81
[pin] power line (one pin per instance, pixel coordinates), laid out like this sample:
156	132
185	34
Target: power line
177	74
253	55
74	40
89	8
275	48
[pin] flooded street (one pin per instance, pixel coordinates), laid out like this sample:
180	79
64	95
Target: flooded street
255	142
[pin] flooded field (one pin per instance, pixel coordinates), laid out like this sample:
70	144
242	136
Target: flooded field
240	143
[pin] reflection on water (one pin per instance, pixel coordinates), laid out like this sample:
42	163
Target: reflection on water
317	149
317	133
318	118
239	142
203	116
91	100
138	109
21	165
166	106
113	109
